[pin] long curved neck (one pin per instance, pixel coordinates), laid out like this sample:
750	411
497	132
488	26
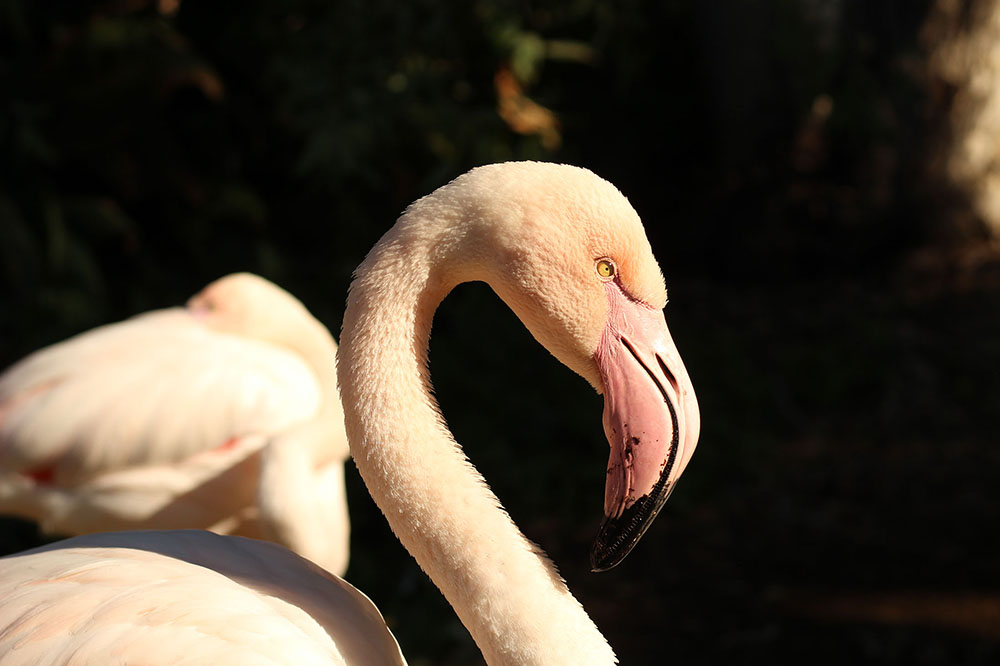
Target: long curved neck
505	591
314	343
301	471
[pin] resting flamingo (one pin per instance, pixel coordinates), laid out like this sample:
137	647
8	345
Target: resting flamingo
223	415
567	253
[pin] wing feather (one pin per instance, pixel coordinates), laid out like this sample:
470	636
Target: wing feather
182	597
114	397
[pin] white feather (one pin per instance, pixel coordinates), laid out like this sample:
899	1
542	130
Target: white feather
154	389
222	415
183	597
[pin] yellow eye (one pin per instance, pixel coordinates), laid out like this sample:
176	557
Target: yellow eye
606	269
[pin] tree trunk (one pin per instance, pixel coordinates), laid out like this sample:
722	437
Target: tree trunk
963	42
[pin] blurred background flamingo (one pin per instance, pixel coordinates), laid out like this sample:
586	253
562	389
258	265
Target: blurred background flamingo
222	415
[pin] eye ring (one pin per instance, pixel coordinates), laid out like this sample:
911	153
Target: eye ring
606	269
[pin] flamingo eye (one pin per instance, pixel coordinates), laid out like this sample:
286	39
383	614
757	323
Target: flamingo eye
606	269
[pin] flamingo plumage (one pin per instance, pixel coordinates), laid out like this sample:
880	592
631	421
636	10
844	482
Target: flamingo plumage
221	415
568	254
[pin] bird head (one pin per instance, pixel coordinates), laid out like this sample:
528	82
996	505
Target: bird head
568	253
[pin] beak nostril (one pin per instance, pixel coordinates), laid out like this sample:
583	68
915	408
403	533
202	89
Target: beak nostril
669	375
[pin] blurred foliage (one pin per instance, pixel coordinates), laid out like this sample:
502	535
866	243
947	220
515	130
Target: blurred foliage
147	147
775	151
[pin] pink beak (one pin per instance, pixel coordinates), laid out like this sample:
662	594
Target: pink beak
651	421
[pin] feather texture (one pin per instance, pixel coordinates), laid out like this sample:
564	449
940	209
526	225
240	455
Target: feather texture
223	415
154	389
183	597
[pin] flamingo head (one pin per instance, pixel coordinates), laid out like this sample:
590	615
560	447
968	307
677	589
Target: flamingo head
247	304
568	253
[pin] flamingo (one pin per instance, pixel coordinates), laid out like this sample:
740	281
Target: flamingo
565	250
223	415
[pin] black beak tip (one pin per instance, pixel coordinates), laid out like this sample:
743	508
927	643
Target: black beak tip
608	550
618	536
601	561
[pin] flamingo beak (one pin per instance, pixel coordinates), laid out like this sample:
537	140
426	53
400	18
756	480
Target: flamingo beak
651	420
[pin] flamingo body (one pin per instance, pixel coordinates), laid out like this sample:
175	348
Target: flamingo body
182	597
154	389
166	420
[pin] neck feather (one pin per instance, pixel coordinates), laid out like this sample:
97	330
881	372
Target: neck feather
503	588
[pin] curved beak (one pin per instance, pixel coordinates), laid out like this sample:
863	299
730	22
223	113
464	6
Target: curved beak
651	420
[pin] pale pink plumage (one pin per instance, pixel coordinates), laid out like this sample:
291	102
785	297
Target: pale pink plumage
182	597
168	420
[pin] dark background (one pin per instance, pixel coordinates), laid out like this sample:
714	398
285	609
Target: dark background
842	505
